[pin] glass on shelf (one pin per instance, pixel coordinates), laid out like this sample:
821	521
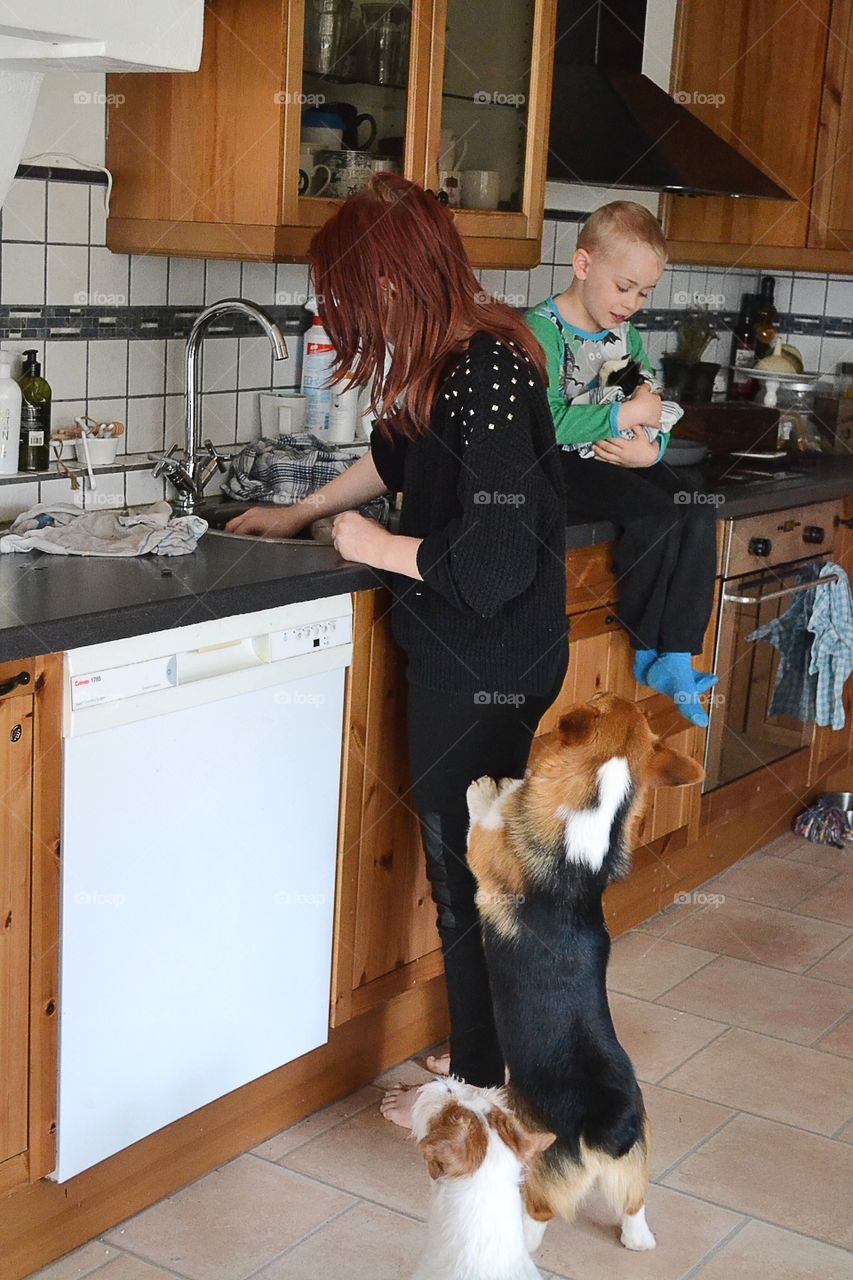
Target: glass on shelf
349	133
483	139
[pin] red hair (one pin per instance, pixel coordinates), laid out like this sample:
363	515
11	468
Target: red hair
396	234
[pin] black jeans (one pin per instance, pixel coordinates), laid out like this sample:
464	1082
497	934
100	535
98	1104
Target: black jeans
666	555
454	739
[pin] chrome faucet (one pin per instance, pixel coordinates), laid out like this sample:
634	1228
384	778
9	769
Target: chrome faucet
191	473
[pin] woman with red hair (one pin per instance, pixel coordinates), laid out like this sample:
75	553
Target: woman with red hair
463	430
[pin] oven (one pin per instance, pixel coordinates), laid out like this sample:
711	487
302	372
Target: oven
767	561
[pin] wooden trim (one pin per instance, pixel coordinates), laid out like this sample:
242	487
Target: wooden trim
539	116
758	255
194	239
782	782
294	28
44	973
822	234
14	1172
41	1221
590	578
380	990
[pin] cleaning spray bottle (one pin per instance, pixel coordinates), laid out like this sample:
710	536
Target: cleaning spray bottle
10	418
318	358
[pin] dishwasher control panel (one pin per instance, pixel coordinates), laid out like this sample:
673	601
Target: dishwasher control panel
292	642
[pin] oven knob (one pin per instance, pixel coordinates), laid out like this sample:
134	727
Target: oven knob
759	546
813	533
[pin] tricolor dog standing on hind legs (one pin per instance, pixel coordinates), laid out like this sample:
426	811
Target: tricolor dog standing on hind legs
543	849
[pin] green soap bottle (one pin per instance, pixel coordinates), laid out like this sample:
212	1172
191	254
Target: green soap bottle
34	454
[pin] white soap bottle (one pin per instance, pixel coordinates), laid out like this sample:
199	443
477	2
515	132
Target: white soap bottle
344	412
318	358
10	418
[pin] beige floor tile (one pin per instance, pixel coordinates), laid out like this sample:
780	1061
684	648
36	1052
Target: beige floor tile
665	921
784	1082
846	1134
82	1262
837	966
365	1243
785	1176
408	1072
774	882
643	966
765	935
760	1252
312	1126
762	999
124	1267
839	1041
589	1248
832	902
678	1122
370	1157
657	1040
816	855
230	1222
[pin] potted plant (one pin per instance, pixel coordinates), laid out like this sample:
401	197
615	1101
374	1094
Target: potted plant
687	375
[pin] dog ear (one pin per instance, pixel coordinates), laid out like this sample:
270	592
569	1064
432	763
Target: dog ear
664	767
577	725
526	1143
456	1144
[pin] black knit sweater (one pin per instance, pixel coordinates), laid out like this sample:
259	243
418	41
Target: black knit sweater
483	488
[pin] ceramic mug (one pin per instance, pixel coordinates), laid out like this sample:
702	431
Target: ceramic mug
384	164
451	153
351	171
282	414
321	135
313	178
450	182
480	188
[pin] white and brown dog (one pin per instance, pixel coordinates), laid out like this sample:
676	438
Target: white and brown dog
543	850
477	1153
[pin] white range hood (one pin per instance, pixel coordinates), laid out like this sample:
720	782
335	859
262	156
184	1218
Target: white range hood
39	36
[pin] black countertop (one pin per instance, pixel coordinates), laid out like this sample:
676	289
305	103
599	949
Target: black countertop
49	603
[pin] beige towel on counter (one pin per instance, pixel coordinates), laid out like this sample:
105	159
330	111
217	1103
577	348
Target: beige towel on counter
64	530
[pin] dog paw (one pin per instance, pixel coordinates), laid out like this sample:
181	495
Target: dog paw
481	795
638	1237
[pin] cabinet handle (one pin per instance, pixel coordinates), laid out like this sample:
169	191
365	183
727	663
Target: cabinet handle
610	619
848	523
23	677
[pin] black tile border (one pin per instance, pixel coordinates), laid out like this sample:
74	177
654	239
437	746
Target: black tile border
58	323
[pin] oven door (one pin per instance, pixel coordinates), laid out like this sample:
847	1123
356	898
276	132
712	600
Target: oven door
743	734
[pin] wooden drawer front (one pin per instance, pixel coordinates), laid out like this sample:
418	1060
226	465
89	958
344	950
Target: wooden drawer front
590	580
599	661
10	671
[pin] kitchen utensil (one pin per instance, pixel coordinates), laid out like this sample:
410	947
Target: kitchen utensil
451	151
282	414
86	456
384	45
773	380
450	182
684	453
351	171
327	26
480	188
352	121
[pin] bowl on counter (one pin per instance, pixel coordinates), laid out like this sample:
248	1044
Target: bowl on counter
102	449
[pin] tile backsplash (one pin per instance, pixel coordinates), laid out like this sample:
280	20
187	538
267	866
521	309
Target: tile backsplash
111	328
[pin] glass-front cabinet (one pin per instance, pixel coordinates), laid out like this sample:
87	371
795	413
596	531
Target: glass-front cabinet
298	102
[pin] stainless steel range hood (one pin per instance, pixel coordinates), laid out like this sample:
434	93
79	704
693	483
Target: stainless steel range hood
611	126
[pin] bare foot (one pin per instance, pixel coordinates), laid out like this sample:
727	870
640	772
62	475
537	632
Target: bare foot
438	1063
397	1105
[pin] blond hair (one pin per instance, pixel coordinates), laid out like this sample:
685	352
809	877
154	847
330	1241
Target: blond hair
622	220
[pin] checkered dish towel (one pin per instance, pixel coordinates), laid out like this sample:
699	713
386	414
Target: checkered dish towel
288	469
831	623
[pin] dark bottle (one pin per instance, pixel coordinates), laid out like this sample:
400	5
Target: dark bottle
765	326
743	351
34	453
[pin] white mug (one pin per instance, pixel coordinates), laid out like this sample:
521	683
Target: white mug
451	154
480	188
321	135
282	413
450	182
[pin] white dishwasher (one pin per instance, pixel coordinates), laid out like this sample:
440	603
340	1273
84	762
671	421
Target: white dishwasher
201	777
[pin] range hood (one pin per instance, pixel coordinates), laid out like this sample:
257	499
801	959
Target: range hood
612	126
38	36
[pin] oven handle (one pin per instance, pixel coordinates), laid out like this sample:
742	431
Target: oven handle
777	595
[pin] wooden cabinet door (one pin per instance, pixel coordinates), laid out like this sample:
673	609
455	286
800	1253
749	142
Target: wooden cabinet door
831	220
16	806
752	73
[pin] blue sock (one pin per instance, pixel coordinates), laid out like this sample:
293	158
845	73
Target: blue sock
704	680
673	675
643	659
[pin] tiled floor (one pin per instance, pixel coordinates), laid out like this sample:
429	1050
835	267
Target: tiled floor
736	1010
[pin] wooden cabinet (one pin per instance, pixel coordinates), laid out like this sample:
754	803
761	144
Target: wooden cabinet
770	79
29	848
208	164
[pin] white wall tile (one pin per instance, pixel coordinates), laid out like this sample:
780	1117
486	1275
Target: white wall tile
175	365
517	288
565	243
108	278
839	297
833	351
291	284
17	346
146	367
549	234
141	489
248	416
259	282
23	212
22	273
219	416
63	412
493	279
808	295
68	275
223	281
255	362
219	364
148	280
65	369
186	282
288	373
112	409
67	213
145	424
108	493
108	367
175	421
18	497
56	489
539	284
98	216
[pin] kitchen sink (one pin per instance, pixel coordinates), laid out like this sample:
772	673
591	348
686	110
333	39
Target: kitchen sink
218	512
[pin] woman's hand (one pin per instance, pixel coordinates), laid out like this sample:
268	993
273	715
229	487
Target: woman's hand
272	522
357	538
639	452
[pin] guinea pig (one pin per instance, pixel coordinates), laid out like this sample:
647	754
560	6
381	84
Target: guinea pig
625	373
